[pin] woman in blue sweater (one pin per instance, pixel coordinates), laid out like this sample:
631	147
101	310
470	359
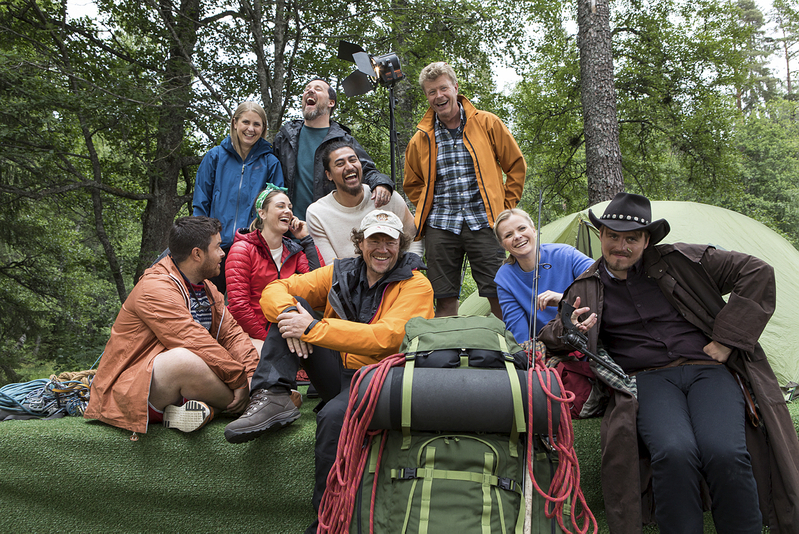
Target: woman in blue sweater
560	265
232	174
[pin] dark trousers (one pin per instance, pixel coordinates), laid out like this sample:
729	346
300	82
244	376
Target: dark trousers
691	419
277	371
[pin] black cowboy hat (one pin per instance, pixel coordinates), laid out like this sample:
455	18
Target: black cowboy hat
628	212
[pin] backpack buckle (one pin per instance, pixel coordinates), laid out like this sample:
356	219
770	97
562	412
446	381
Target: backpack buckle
407	473
505	483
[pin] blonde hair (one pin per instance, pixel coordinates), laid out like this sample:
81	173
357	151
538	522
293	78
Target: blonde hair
511	259
243	108
434	70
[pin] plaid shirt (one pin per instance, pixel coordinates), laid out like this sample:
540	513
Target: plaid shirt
456	197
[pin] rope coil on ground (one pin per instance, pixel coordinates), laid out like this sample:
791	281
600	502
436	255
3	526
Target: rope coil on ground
67	393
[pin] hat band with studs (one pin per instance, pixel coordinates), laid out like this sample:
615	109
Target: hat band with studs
622	217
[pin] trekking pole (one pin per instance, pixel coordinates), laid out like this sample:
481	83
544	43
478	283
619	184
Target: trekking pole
528	483
534	299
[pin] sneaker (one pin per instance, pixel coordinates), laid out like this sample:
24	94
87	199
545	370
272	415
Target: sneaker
302	378
189	417
266	411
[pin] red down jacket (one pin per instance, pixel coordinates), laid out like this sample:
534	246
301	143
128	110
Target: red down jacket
250	267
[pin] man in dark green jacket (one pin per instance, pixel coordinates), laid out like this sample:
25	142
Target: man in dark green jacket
299	145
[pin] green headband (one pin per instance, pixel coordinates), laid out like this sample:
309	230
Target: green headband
270	188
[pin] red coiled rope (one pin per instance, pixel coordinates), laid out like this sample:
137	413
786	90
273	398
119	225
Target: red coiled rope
565	483
344	478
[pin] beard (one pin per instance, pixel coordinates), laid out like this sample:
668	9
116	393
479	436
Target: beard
313	113
211	268
352	190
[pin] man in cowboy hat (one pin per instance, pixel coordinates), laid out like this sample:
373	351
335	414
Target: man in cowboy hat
658	311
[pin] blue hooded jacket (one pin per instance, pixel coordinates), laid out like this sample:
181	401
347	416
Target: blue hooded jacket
226	187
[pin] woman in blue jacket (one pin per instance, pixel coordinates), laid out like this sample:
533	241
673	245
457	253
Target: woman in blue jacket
232	174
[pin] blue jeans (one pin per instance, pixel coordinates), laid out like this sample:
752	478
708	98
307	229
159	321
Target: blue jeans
691	418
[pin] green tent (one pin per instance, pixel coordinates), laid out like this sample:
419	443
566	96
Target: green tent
700	223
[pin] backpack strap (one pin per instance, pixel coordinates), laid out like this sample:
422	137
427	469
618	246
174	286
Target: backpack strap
427	488
407	389
486	479
464	356
516	391
485	518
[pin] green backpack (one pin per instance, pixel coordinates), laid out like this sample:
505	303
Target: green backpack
467	483
425	482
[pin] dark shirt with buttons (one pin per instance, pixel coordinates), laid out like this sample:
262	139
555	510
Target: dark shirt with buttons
640	328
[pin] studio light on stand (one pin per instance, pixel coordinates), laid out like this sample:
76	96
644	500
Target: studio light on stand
372	71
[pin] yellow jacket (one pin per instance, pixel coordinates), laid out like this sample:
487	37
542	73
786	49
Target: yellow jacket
407	294
493	150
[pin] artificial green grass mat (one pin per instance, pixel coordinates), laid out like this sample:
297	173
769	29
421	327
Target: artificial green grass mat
76	475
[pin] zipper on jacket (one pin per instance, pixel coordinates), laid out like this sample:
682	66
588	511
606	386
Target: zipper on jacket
238	199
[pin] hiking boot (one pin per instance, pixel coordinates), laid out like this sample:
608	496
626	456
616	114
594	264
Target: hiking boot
266	411
296	398
187	418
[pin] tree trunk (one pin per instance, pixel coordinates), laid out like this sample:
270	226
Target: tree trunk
274	73
404	94
598	95
166	167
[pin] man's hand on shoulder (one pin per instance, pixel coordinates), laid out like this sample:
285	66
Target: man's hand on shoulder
717	351
381	195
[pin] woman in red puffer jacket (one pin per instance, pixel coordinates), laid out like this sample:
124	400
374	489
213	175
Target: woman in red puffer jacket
262	254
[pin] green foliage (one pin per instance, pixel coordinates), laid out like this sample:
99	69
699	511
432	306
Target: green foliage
55	306
677	65
759	84
786	15
103	122
77	136
768	139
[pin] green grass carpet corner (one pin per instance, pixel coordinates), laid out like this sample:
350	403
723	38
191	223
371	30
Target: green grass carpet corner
73	475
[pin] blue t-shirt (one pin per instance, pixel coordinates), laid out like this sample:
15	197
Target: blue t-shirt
560	265
309	141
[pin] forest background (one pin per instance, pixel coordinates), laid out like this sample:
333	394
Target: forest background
105	118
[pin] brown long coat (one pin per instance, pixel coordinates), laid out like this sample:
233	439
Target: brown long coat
694	278
155	318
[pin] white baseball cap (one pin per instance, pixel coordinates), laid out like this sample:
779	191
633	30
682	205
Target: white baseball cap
381	222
